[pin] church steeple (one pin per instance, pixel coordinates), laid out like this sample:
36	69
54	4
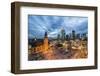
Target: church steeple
46	41
46	35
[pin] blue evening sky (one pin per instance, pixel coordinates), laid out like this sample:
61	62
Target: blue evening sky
38	24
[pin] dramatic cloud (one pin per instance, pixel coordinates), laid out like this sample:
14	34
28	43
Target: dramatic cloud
38	24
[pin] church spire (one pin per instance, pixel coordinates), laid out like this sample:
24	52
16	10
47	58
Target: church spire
46	34
46	42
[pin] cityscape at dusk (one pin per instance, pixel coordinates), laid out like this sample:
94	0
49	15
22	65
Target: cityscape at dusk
57	37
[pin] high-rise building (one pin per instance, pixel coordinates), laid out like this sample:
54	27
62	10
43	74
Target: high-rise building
67	37
63	34
84	36
77	36
73	35
70	36
58	37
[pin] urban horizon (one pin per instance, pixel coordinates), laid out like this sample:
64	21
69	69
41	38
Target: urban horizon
77	35
38	25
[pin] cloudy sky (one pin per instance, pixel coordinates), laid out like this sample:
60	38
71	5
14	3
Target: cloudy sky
38	24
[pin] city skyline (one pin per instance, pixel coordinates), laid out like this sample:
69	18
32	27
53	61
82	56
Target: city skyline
38	25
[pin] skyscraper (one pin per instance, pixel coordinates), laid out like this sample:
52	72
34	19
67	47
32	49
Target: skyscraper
73	35
58	37
67	37
63	34
77	36
84	36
